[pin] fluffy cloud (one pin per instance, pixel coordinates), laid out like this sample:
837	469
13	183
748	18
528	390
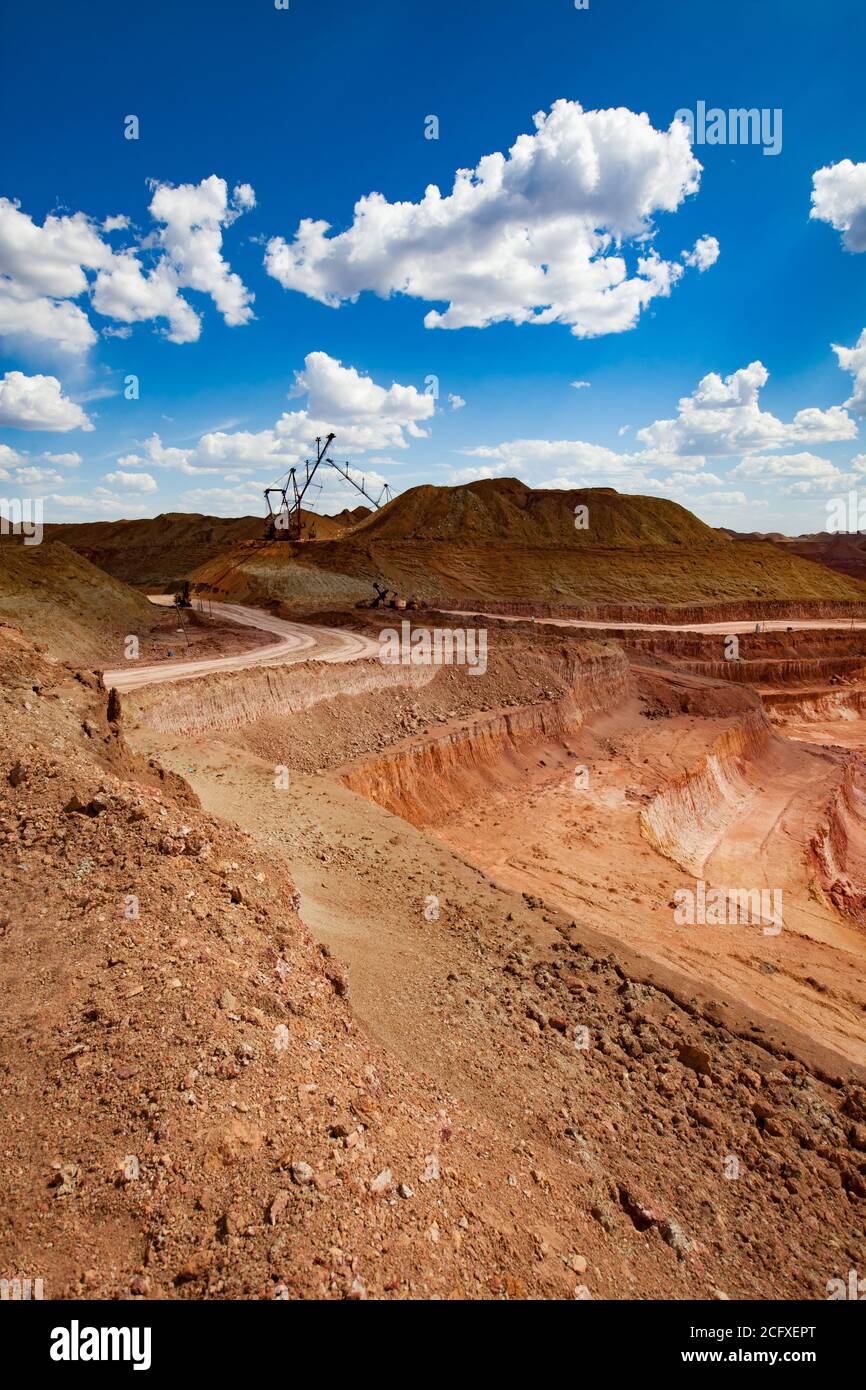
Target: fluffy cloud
344	398
534	236
223	501
126	292
38	477
523	456
721	419
771	466
839	197
724	417
11	458
44	269
704	253
363	415
813	474
17	467
71	460
131	482
38	403
193	217
853	360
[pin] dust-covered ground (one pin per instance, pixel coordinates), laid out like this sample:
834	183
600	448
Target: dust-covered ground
501	1073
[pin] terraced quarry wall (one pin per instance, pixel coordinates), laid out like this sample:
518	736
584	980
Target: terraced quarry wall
684	819
817	707
236	700
737	610
431	777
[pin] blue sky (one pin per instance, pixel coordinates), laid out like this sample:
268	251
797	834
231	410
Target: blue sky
299	113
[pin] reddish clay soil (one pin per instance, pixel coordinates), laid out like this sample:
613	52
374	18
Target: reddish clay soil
504	1071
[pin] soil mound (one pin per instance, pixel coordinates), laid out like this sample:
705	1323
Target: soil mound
75	609
159	550
499	511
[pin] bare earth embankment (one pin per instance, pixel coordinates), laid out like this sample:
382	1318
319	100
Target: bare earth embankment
506	1070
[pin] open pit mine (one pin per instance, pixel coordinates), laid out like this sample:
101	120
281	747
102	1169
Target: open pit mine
333	975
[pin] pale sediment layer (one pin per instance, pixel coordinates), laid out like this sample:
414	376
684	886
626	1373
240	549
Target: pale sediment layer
688	815
238	699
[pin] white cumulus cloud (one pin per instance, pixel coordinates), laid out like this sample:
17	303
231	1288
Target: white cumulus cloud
724	417
45	270
534	236
364	416
38	403
71	460
703	254
853	360
131	482
839	197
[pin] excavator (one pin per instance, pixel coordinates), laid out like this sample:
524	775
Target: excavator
182	598
383	601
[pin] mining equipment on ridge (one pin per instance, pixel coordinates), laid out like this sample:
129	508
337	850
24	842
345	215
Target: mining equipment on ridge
383	601
284	519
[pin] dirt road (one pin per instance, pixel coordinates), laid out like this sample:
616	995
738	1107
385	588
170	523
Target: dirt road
729	627
298	642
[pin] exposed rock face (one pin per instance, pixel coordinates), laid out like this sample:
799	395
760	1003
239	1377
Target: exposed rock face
235	701
838	844
425	778
773	673
684	819
844	705
642	611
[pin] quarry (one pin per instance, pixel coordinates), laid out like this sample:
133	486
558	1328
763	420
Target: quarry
540	975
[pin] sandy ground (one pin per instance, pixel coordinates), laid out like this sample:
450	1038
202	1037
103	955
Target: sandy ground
583	852
601	1168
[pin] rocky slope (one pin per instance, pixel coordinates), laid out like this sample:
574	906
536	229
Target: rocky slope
191	1108
188	1106
158	552
79	613
76	609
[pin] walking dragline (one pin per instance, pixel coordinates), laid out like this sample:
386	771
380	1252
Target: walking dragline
284	519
